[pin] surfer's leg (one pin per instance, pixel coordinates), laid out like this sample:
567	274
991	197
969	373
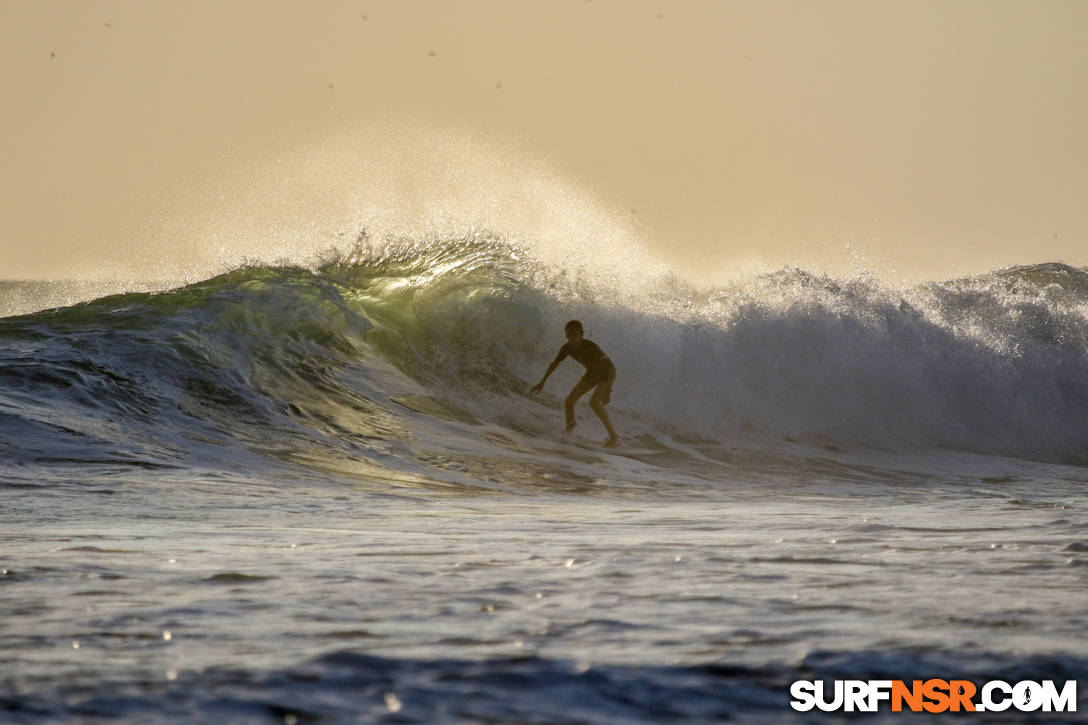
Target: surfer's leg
597	402
576	392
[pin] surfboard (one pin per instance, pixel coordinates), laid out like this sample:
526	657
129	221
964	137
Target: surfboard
620	450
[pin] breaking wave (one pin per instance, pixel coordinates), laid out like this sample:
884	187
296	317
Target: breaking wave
370	362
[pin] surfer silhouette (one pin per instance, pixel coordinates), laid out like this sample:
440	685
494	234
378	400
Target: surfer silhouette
600	374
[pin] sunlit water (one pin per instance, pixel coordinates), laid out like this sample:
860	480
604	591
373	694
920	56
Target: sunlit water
158	597
272	499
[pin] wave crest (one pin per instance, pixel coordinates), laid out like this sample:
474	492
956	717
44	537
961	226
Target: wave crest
315	365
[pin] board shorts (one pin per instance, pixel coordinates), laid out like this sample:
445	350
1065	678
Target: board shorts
599	372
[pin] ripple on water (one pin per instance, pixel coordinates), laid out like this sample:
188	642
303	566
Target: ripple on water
234	577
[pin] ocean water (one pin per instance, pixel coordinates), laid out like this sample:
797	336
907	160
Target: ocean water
324	493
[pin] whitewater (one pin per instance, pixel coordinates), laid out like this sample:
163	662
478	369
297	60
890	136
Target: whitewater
323	492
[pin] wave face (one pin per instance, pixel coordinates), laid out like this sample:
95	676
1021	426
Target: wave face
393	365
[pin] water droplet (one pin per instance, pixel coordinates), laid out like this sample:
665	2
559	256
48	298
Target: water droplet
171	675
290	719
167	635
569	564
393	702
75	644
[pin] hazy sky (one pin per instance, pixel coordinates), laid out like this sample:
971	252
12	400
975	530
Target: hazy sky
936	138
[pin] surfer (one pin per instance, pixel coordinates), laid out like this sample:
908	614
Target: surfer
600	373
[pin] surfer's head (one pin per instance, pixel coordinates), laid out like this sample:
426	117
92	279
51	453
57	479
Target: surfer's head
574	331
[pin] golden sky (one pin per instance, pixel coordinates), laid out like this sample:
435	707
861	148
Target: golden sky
921	139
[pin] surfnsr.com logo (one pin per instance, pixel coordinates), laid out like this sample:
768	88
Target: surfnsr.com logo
934	696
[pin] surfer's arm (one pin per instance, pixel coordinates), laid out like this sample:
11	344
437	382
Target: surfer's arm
551	369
